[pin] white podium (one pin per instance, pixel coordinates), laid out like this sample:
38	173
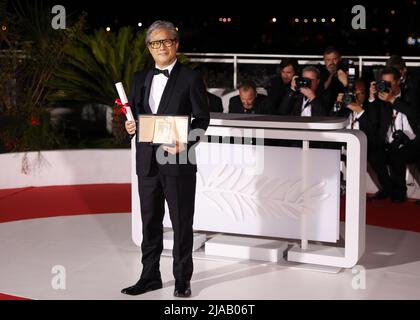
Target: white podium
277	192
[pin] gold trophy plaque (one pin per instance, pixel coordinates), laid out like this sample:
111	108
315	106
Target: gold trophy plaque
163	129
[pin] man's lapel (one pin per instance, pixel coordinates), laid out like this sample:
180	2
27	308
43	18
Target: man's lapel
146	93
169	88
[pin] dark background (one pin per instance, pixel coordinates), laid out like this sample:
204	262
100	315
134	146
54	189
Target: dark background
251	30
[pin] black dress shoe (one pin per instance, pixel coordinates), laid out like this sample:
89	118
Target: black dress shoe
182	289
380	195
143	286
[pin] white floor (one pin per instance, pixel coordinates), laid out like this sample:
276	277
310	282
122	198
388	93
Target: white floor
99	259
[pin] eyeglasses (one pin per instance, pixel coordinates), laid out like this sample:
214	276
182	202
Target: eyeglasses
157	44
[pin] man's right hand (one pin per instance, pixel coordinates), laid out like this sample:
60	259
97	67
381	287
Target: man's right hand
130	126
340	97
293	83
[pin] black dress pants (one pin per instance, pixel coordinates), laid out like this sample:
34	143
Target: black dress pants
179	192
393	181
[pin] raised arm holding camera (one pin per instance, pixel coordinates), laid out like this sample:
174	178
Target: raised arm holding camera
334	77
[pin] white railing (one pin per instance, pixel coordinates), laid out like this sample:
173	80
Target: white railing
242	58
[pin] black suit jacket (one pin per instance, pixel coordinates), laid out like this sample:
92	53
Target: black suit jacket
385	110
184	94
292	105
277	90
261	105
410	93
368	123
215	102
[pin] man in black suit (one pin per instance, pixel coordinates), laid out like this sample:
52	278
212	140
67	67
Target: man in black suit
280	83
303	101
361	116
410	88
333	78
249	101
396	115
173	89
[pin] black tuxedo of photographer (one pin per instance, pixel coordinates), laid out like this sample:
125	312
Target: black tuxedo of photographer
410	83
398	142
334	78
280	84
302	98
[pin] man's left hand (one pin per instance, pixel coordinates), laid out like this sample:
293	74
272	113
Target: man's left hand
343	77
179	147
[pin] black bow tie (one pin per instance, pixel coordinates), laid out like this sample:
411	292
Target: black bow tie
165	72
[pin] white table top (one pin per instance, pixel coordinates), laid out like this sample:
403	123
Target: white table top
277	122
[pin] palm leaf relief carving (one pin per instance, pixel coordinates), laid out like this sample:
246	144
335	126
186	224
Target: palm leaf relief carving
228	190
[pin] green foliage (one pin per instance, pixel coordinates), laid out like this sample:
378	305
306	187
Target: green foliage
94	63
33	50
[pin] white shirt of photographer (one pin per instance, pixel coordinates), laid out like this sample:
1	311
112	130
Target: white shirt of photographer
354	119
158	86
306	108
401	123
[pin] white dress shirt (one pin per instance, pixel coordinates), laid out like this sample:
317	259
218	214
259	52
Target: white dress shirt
306	108
400	123
354	120
158	86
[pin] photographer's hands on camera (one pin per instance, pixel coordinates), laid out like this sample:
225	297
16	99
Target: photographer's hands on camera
384	96
307	92
342	76
354	106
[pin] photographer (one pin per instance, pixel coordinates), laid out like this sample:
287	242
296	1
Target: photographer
249	101
410	84
397	139
361	117
334	77
282	81
301	98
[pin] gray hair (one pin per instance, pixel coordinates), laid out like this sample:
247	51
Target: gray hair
161	24
312	69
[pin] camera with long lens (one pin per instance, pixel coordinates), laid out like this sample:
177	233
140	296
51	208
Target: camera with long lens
302	82
348	98
400	139
349	94
383	86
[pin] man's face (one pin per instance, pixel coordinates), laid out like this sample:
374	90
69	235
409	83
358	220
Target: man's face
314	81
287	74
395	84
164	55
360	91
331	61
247	97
